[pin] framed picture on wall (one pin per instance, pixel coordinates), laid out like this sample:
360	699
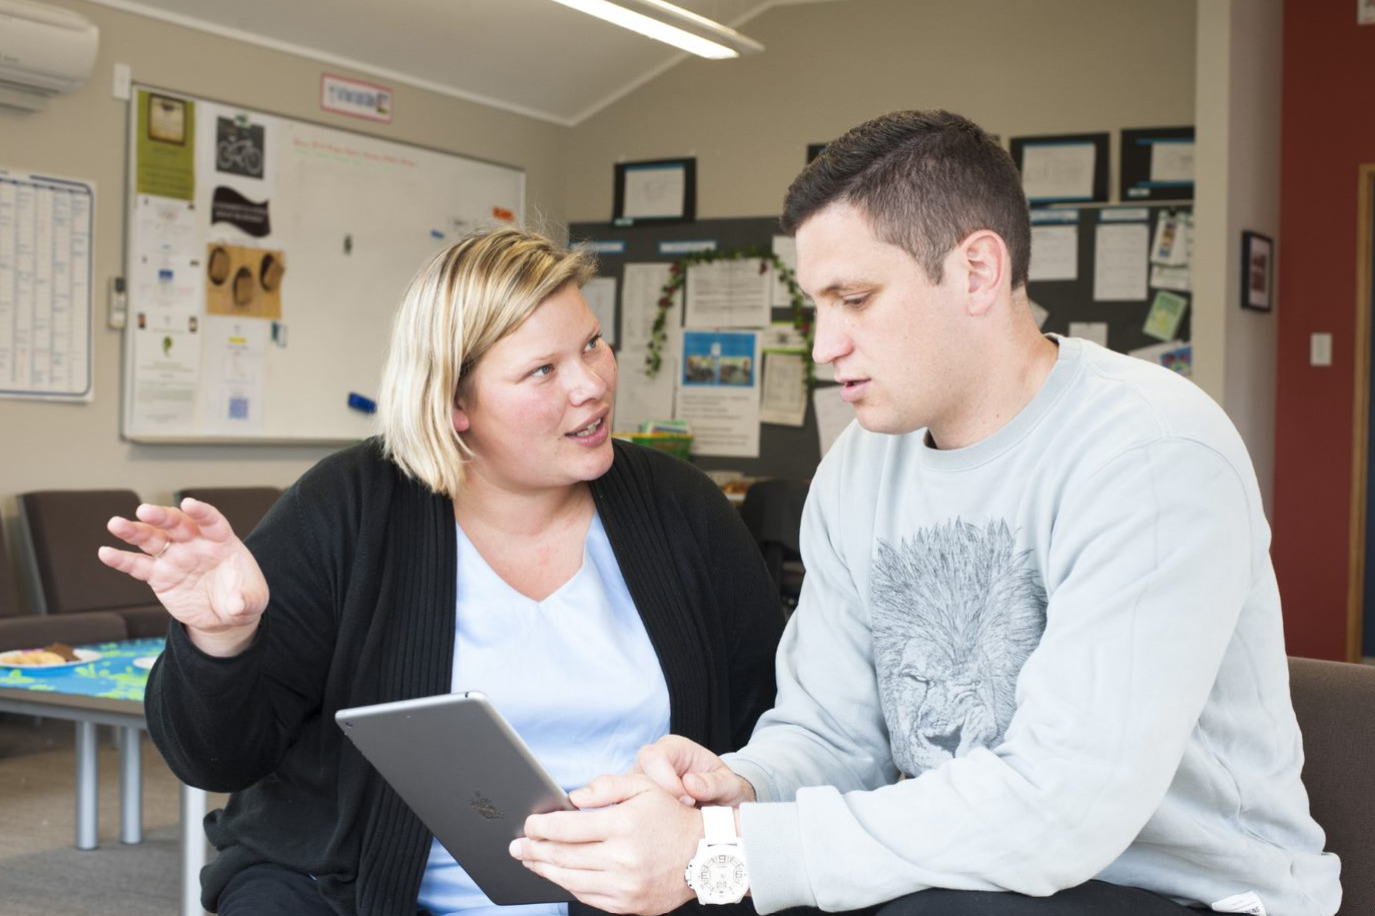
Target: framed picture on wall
661	190
1157	163
1257	271
1062	169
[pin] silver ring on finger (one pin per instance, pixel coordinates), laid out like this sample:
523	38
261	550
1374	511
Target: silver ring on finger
158	555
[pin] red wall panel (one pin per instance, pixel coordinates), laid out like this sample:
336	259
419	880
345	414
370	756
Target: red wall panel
1328	131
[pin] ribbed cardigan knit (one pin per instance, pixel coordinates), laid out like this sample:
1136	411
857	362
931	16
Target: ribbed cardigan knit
361	562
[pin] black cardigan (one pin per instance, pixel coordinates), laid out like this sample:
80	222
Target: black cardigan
362	563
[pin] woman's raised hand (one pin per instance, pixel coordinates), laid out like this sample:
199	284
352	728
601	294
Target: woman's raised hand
199	569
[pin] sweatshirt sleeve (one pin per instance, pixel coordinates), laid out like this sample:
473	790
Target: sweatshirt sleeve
1149	569
825	727
222	724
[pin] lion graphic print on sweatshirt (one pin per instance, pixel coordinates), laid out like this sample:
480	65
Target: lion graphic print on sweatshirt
1068	637
956	611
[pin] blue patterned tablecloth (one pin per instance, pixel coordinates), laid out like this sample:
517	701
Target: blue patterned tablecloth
113	676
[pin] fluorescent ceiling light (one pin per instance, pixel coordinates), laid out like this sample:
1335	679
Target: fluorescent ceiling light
671	24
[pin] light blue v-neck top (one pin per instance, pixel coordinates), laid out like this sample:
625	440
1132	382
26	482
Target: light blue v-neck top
575	675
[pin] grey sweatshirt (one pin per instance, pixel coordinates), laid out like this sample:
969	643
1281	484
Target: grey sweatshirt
1067	636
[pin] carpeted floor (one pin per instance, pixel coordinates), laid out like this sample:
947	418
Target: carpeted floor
41	871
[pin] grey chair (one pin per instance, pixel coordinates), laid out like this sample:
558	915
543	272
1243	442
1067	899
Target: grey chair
242	507
65	528
9	603
33	631
19	630
1333	702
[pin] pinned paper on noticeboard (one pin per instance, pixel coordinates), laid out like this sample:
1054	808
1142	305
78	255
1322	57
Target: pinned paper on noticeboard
244	282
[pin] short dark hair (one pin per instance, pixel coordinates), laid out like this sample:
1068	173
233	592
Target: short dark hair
926	180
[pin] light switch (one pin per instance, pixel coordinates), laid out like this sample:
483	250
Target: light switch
1320	349
121	87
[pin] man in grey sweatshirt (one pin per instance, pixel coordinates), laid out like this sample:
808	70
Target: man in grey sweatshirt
1038	663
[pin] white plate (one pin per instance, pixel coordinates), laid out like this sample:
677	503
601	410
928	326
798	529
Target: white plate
145	662
84	656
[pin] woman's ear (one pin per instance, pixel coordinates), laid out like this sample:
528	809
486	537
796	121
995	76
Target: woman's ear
461	421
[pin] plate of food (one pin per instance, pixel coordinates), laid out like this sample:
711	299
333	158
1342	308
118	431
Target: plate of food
55	657
145	662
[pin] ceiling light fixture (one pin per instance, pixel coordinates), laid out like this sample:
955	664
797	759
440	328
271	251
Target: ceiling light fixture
671	24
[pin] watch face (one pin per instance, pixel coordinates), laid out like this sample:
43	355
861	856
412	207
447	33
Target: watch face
721	876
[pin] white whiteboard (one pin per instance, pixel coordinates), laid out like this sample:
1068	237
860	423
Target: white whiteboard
256	357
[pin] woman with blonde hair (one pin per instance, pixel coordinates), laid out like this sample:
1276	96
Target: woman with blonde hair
493	537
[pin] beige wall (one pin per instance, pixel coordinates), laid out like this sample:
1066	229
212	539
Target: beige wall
84	136
1016	67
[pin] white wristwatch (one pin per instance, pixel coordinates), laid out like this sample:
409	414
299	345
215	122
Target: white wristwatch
717	873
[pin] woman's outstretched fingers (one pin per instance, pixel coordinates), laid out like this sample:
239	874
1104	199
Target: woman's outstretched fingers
146	537
210	520
175	524
138	565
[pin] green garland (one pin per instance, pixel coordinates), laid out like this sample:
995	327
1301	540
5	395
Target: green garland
677	276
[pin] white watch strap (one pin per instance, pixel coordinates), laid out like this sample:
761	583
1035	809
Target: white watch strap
719	824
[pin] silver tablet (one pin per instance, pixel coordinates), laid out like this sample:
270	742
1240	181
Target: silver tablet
469	777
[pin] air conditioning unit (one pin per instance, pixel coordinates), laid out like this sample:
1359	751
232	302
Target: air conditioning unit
44	50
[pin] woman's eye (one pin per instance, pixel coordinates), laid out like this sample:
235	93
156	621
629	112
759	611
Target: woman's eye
854	302
595	342
544	370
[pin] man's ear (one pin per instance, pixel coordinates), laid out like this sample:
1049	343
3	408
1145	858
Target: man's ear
986	263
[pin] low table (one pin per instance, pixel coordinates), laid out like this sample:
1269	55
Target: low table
109	691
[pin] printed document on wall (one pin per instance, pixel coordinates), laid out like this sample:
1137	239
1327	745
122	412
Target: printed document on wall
1058	171
1121	265
833	414
46	232
1054	253
785	249
600	293
1172	162
235	348
642	289
719	392
785	392
728	294
654	192
167	357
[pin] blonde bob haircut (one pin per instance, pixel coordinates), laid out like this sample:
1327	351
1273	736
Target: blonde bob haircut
463	301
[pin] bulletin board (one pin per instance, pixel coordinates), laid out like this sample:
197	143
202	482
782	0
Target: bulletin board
784	451
1077	300
265	259
795	451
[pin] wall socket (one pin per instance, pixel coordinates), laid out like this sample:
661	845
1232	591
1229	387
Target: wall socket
118	315
1320	349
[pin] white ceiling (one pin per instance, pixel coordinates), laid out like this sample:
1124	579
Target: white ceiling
534	57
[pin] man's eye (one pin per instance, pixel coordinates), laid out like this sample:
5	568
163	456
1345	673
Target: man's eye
595	342
854	302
